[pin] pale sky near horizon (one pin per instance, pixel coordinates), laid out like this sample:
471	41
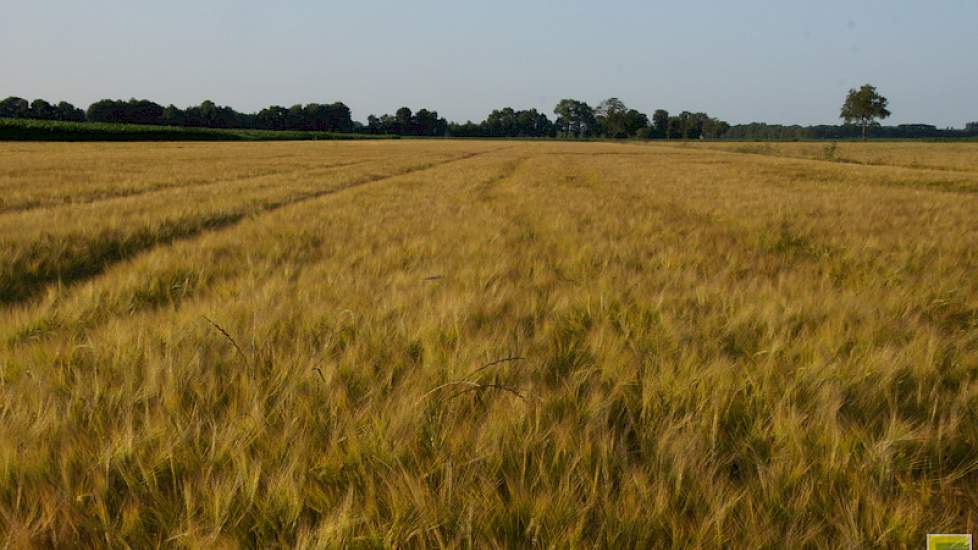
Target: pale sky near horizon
753	60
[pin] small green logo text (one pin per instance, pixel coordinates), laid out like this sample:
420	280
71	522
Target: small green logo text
949	542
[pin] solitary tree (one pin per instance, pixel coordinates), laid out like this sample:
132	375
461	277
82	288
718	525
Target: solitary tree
863	106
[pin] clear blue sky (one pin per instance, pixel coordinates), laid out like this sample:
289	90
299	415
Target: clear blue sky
763	60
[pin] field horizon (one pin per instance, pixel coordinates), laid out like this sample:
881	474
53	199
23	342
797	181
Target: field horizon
487	344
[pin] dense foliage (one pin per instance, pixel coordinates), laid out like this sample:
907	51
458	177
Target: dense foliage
406	123
318	117
16	107
507	122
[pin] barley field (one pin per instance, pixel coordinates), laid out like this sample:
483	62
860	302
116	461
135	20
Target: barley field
951	156
487	344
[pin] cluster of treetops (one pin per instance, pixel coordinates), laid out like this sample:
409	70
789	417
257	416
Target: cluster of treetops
609	119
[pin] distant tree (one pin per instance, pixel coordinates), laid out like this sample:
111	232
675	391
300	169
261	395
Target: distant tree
971	127
714	128
319	117
660	122
389	124
519	123
687	123
565	115
673	128
210	115
697	122
218	116
207	113
610	118
441	127
533	124
173	116
574	118
14	107
863	107
134	111
402	120
295	117
338	117
636	123
501	123
504	122
142	111
41	110
274	117
615	120
425	122
192	116
608	106
105	110
312	116
67	111
468	129
373	124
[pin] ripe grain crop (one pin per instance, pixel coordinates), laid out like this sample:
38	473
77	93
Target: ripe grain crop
951	156
485	344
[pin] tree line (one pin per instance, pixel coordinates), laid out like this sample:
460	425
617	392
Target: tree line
333	117
15	107
404	122
572	119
